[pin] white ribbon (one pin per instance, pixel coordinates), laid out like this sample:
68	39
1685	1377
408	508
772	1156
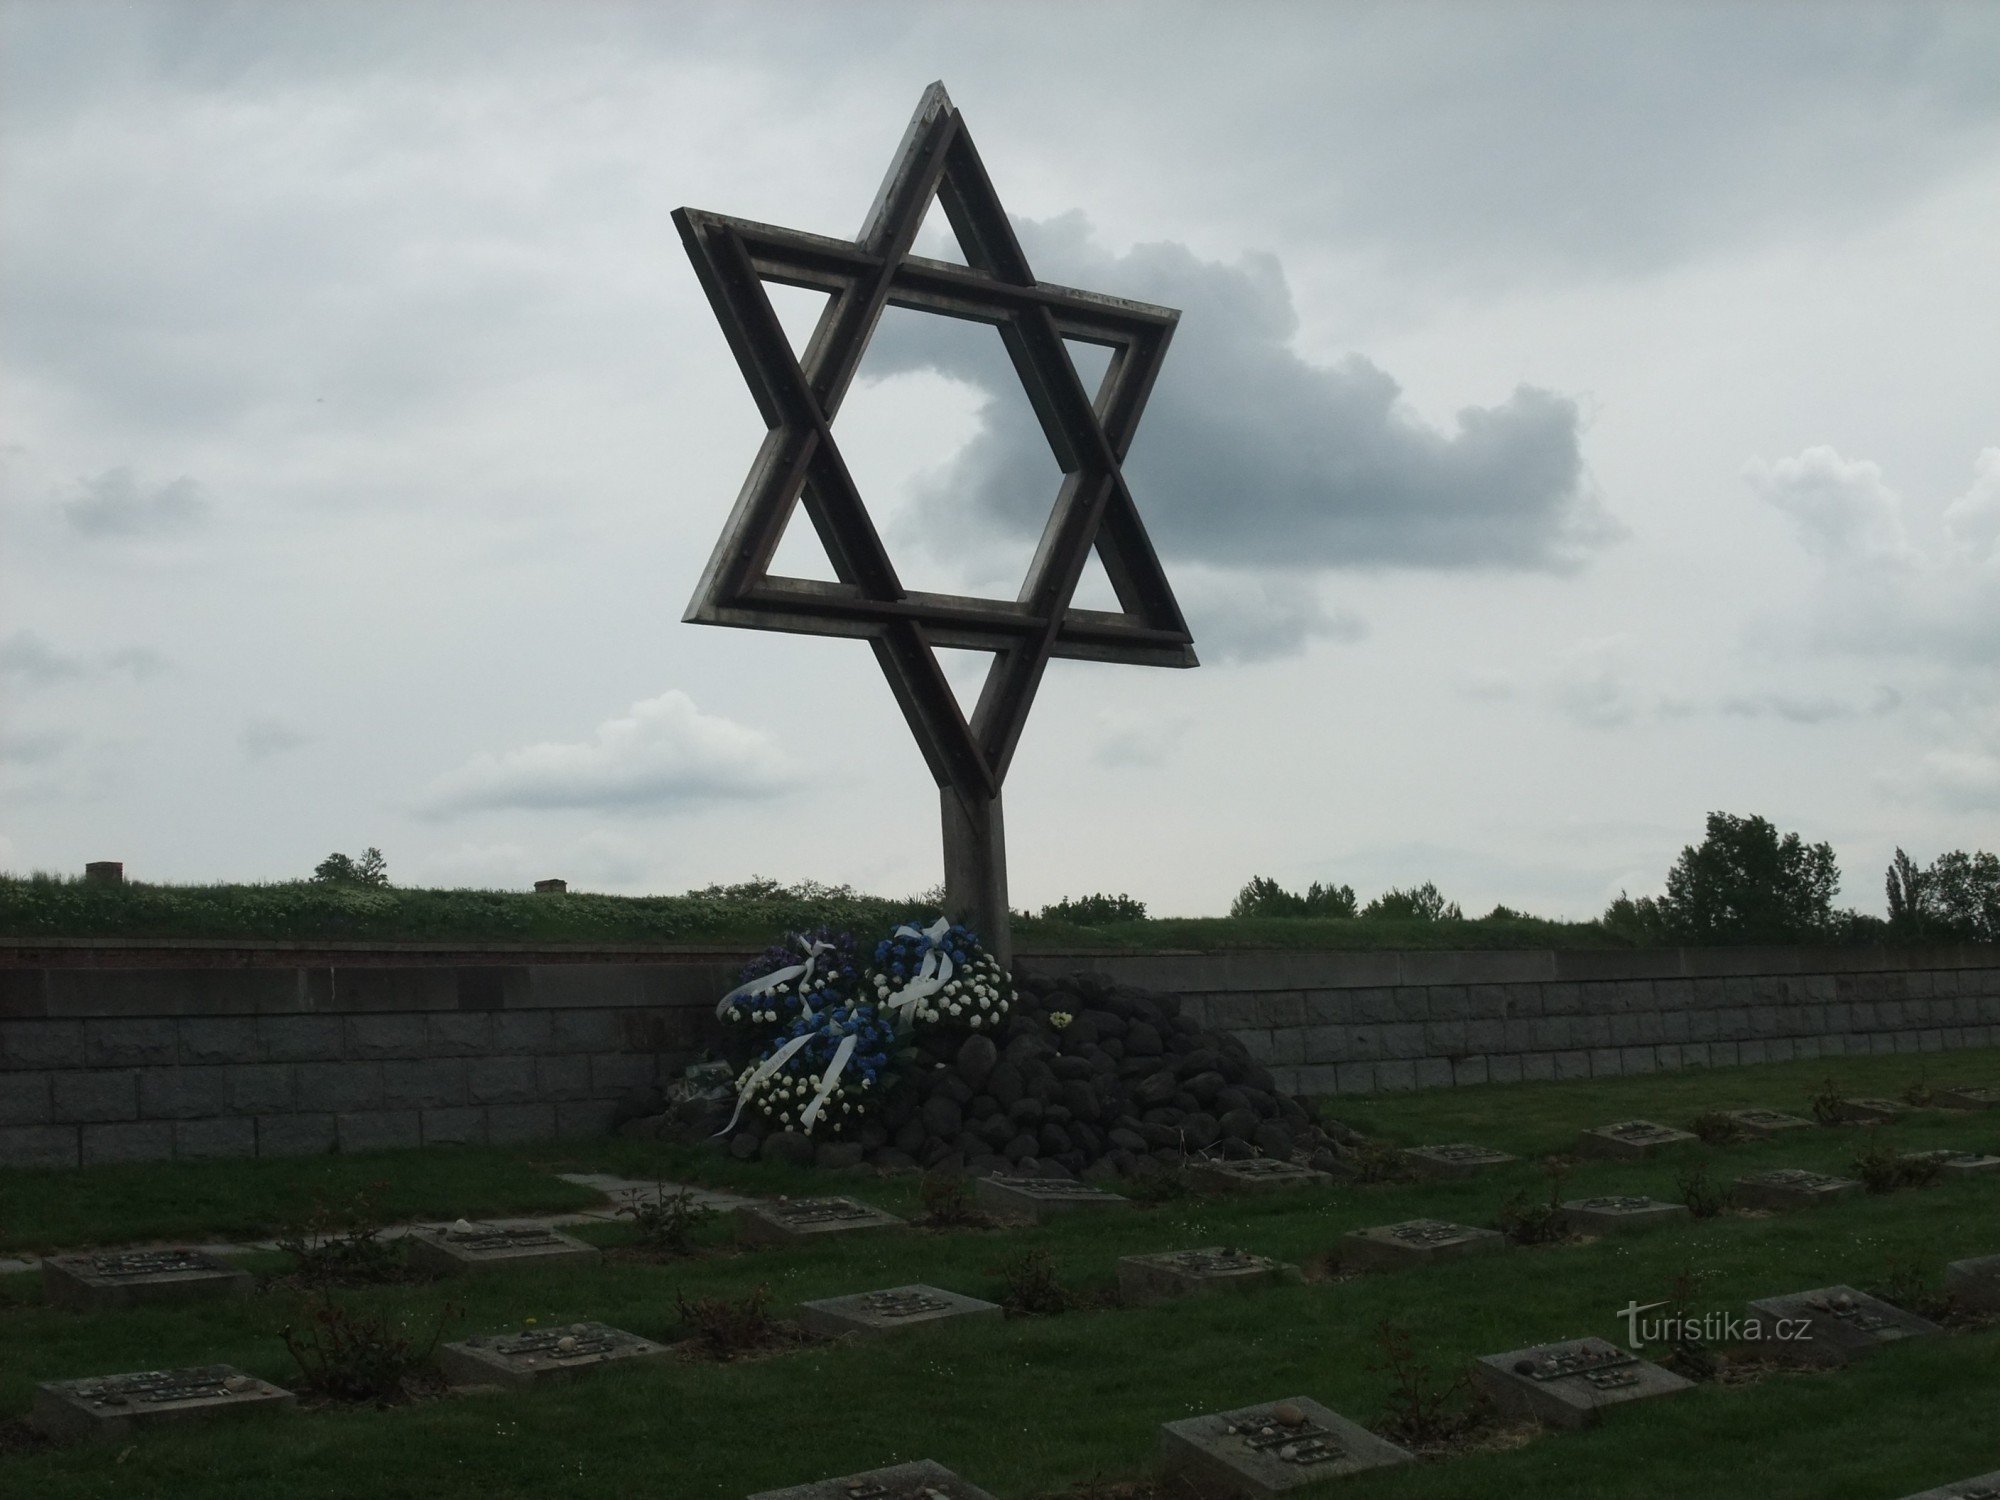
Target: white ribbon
766	984
827	1081
931	976
764	1070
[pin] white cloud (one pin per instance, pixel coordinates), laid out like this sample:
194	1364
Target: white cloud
663	754
1843	510
1972	521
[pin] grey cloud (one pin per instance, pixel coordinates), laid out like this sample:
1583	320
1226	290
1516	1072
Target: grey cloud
1240	618
116	503
263	738
27	657
1250	456
141	662
31	747
1810	710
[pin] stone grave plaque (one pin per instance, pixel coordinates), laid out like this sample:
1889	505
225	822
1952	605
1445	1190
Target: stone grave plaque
1968	1096
1765	1122
1615	1214
116	1406
1039	1198
1975	1282
1985	1487
1792	1187
922	1480
1629	1139
1567	1384
124	1278
542	1356
789	1220
1416	1242
1184	1273
1871	1111
1832	1325
1957	1163
1458	1159
1273	1448
892	1310
1253	1174
455	1248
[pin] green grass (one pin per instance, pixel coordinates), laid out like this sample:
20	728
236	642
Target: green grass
1029	1408
251	1200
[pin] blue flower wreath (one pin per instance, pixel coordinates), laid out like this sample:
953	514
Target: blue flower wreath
835	978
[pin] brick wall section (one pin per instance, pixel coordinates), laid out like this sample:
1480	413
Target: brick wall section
141	1052
1365	1023
198	1051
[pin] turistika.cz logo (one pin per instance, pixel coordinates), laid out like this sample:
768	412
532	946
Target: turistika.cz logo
1704	1328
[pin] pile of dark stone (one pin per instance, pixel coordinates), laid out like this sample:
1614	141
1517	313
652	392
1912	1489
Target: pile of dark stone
1127	1086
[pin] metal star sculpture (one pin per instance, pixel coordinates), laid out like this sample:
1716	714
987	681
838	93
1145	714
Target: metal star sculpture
800	460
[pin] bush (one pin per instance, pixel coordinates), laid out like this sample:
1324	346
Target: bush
1526	1221
1882	1170
354	1354
947	1199
1033	1288
343	1247
1264	897
337	869
1704	1199
1716	1128
1422	1409
1956	900
1099	910
1743	884
1421	903
667	1221
722	1328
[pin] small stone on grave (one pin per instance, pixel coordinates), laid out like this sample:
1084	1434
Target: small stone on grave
1975	1282
463	1246
788	1220
542	1356
125	1278
1183	1273
1566	1384
1871	1111
1631	1138
1273	1448
1458	1159
1792	1187
1832	1325
1985	1487
1253	1174
1764	1122
922	1480
1968	1096
1416	1242
1039	1198
1614	1214
891	1311
1957	1163
116	1406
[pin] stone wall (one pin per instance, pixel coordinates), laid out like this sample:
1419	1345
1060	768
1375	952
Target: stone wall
115	1051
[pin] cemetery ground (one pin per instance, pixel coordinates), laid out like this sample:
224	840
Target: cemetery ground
1052	1405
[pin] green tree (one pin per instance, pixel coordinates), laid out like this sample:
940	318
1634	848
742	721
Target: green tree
1264	897
338	869
1957	898
1745	884
1096	910
1421	903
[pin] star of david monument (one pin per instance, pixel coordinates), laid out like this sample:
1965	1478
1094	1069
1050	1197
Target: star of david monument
800	463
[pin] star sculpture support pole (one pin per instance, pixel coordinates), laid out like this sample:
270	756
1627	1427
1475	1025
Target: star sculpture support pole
800	462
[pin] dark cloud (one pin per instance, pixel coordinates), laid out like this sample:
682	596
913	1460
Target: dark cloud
115	503
263	738
1811	710
29	659
1251	457
31	747
1239	617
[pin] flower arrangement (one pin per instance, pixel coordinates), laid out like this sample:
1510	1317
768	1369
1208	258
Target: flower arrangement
833	1027
938	973
1060	1019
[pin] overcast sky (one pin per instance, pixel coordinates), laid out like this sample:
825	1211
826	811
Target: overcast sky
1583	417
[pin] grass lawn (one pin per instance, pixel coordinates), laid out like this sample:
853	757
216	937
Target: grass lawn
1038	1407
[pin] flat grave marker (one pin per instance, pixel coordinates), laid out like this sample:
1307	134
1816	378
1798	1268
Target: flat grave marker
1457	1159
892	1310
116	1406
1985	1487
1415	1242
1187	1273
1765	1122
1968	1096
1613	1215
1975	1282
1792	1187
1871	1111
458	1248
789	1220
1040	1198
1253	1174
1631	1139
1957	1163
922	1480
1274	1447
543	1356
1832	1325
1567	1384
126	1278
